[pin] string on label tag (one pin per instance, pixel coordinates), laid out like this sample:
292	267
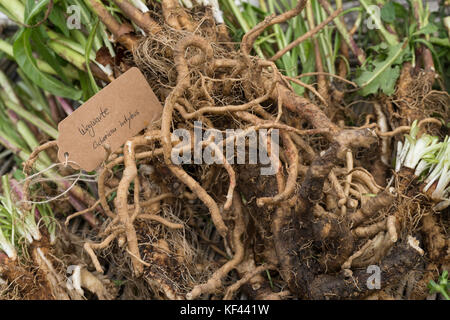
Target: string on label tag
76	177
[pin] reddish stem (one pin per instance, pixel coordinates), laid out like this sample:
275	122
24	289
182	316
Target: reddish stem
65	105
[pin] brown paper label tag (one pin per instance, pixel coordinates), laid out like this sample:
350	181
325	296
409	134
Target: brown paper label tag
115	114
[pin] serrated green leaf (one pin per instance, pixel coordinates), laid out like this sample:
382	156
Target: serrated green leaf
382	74
389	79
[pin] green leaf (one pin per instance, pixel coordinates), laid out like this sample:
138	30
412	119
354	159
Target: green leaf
18	175
35	92
444	42
400	11
388	12
389	79
382	74
85	85
33	9
24	57
429	28
44	52
38	122
87	56
58	18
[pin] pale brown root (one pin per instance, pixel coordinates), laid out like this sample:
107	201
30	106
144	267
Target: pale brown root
291	153
250	37
310	154
364	176
95	285
360	193
321	213
102	194
202	195
183	82
137	206
91	208
129	174
55	280
391	226
141	155
383	125
27	165
374	249
89	248
271	124
306	109
398	130
371	207
348	179
370	231
403	129
231	290
113	225
156	199
224	109
309	87
154	217
430	120
164	287
369	118
340	192
142	20
277	295
175	16
434	239
215	281
230	170
122	32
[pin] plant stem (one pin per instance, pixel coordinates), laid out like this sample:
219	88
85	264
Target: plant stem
33	119
73	45
65	106
31	141
243	23
360	55
15	8
69	71
68	54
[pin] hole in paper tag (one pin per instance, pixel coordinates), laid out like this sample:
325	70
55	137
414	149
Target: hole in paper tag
107	120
